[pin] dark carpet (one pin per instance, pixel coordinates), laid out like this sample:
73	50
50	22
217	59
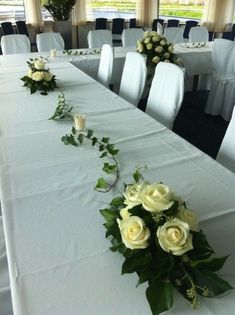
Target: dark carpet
204	131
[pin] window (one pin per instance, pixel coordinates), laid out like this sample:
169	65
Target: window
111	9
184	9
12	10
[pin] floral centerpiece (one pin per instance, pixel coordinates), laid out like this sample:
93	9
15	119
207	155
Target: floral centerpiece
39	77
159	238
157	48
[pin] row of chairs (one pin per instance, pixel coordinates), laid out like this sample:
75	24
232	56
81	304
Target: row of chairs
7	28
118	24
19	43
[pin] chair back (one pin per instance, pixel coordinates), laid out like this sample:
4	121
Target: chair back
188	25
15	44
132	23
106	65
7	28
133	78
166	93
155	24
100	23
49	40
226	155
228	35
199	34
22	28
130	36
118	26
174	34
221	98
97	38
173	23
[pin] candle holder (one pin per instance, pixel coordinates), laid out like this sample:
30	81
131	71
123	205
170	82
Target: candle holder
80	122
53	53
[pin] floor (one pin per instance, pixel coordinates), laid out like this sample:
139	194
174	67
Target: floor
204	131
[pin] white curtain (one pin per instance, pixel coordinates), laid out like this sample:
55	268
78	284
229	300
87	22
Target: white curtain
217	14
33	13
79	12
146	11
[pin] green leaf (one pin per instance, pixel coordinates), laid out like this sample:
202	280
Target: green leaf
212	264
80	138
201	248
89	133
138	258
109	169
69	139
101	147
74	131
160	296
210	280
110	148
137	175
117	202
105	140
109	214
94	141
101	183
103	154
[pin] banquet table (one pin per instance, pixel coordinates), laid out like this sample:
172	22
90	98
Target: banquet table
196	60
59	260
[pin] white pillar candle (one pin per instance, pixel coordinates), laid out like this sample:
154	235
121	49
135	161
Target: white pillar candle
80	121
53	53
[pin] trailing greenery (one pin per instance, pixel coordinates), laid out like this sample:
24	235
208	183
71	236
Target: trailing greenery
63	110
106	149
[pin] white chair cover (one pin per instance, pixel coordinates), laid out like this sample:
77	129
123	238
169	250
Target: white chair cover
221	98
198	34
5	293
166	93
174	34
48	41
97	38
131	35
15	44
160	28
226	155
106	65
133	78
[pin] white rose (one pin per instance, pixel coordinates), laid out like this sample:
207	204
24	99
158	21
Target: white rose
167	55
146	34
38	76
153	34
48	76
140	48
149	46
174	237
134	233
131	195
156	59
29	74
162	42
147	40
39	64
155	39
124	213
189	217
159	49
171	49
156	197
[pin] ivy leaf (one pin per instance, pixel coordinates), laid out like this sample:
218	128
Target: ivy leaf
109	214
160	296
201	248
80	138
117	202
137	176
110	148
109	169
210	280
94	141
89	133
103	154
105	140
212	265
131	264
69	139
101	147
74	131
101	183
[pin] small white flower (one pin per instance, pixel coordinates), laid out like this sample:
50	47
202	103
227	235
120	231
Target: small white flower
162	42
159	49
167	55
147	40
146	34
156	59
140	48
149	46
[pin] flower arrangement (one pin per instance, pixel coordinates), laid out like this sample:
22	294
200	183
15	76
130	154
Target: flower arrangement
159	238
157	49
39	77
59	9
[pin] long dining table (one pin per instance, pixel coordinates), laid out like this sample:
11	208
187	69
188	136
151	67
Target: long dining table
59	260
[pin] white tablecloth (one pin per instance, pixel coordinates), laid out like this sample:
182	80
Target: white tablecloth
59	259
